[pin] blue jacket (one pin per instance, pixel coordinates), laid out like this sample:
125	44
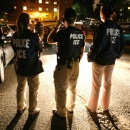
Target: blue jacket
108	43
70	41
26	48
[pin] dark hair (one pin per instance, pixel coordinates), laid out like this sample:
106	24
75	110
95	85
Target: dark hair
107	10
23	22
70	15
38	27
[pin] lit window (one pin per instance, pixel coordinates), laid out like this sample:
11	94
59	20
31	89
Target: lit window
47	9
40	1
55	2
24	7
55	9
46	2
40	8
128	7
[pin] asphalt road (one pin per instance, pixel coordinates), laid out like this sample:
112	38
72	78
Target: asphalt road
80	120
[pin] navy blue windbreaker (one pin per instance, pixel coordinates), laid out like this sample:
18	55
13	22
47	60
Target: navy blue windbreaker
26	48
70	40
108	43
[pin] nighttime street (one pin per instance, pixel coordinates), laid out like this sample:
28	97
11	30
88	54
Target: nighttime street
80	119
24	24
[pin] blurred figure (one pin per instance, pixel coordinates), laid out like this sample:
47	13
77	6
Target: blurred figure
46	33
36	21
27	65
84	28
32	26
113	16
39	28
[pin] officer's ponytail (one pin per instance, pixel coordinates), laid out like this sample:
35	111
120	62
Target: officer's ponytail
22	23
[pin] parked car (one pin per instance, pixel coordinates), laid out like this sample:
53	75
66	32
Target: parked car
6	51
126	33
13	27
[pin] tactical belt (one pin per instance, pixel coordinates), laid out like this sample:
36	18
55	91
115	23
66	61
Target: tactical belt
70	62
74	59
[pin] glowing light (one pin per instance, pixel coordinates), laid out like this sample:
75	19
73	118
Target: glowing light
47	2
36	14
40	8
40	1
15	7
24	7
55	2
55	9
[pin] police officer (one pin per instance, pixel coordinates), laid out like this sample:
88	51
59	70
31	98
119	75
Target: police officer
27	65
108	45
70	51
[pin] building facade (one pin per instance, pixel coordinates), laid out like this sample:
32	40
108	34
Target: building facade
44	10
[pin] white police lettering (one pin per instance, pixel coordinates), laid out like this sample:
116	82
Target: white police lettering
75	38
21	43
114	33
27	43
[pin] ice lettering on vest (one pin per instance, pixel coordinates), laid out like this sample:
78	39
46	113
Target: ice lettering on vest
76	38
76	42
21	43
21	54
114	33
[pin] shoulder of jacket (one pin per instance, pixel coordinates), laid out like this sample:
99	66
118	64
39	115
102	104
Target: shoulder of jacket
100	27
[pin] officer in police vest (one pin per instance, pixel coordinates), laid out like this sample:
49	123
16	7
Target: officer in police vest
108	45
27	64
70	51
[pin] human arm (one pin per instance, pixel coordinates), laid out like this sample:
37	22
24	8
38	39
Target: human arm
37	41
95	47
121	46
53	32
81	52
